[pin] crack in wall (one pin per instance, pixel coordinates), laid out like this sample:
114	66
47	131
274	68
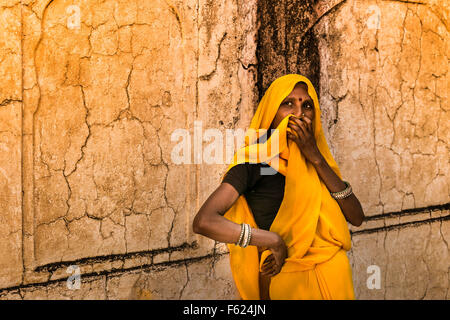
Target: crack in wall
400	225
407	212
318	19
6	102
51	267
407	2
209	75
187	281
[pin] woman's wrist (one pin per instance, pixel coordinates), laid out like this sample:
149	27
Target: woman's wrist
265	239
276	240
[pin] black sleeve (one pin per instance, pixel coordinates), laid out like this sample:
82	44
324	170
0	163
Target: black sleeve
238	177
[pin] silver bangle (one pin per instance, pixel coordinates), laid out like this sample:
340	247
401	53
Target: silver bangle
238	243
244	235
244	240
344	193
249	236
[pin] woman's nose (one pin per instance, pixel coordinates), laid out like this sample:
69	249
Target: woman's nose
297	112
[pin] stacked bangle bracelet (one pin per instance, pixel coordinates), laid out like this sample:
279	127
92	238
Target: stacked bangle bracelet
344	193
245	236
241	236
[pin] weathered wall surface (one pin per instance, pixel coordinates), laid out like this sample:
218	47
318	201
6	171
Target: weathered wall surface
86	135
381	68
93	90
385	82
390	82
10	143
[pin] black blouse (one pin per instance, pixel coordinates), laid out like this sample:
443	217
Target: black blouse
263	192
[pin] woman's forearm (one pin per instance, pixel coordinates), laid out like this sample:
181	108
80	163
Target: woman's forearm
350	206
219	228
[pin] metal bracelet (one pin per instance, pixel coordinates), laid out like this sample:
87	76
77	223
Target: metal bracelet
238	243
246	232
344	193
249	236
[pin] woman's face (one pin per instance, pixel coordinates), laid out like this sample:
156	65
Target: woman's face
298	102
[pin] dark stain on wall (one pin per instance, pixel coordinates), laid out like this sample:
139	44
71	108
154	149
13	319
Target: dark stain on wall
285	43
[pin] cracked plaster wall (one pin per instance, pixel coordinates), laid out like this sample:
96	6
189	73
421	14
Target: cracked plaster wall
10	143
86	116
385	89
86	120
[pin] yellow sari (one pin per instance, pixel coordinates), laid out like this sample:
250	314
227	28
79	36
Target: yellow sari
309	220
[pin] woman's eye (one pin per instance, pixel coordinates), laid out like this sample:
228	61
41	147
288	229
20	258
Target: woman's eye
308	105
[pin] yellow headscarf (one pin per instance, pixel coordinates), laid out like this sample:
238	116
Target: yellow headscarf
309	220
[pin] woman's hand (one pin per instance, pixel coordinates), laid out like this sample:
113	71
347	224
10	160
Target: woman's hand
273	263
303	136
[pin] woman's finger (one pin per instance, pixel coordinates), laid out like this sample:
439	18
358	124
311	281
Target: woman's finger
292	123
306	119
303	127
308	123
290	136
301	135
300	121
267	262
298	126
267	272
271	270
273	273
270	263
294	128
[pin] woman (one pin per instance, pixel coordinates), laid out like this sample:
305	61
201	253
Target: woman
287	232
